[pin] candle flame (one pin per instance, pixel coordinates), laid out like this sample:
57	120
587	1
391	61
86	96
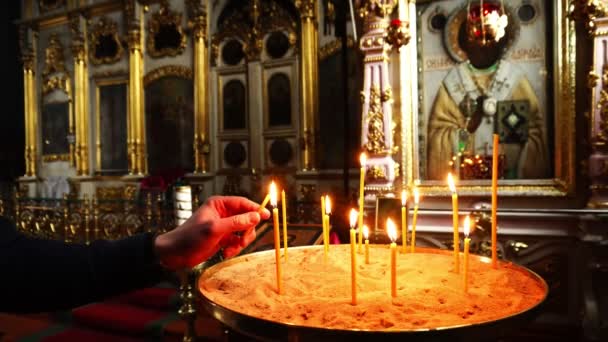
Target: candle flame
363	159
391	229
451	183
327	205
353	218
416	196
467	226
403	198
273	194
365	231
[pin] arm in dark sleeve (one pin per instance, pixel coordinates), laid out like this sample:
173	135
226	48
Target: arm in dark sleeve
46	275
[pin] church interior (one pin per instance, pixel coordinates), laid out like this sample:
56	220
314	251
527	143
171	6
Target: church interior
124	116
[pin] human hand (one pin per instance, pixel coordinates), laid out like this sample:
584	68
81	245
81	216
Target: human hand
209	228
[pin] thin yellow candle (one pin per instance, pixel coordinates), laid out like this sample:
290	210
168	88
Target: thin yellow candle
391	230
366	237
327	217
264	203
494	195
415	218
277	236
404	195
363	161
452	186
467	241
353	256
323	218
284	213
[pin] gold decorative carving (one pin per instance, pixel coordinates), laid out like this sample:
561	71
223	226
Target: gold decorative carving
168	70
307	8
117	73
198	19
56	82
50	5
380	8
375	123
333	47
600	140
49	158
54	60
276	18
103	29
376	172
165	17
587	11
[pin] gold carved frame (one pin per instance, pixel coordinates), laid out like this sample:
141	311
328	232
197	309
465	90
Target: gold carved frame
105	27
165	17
563	94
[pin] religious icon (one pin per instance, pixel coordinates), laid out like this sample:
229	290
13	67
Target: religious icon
482	90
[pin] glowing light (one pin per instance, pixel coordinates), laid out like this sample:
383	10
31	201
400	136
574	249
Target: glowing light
391	230
327	205
467	226
353	218
363	159
451	183
416	196
365	232
273	194
403	198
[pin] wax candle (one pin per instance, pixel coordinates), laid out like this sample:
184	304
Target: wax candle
264	203
353	256
494	195
452	186
363	161
323	219
284	213
404	195
366	237
392	234
327	217
467	241
277	236
415	218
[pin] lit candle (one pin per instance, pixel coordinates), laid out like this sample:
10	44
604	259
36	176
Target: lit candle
404	221
353	255
416	201
326	231
366	237
362	160
284	213
264	203
452	186
494	195
467	241
323	219
392	234
277	236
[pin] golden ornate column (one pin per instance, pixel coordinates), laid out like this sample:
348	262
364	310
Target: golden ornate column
136	134
309	76
198	14
30	103
377	121
593	14
81	95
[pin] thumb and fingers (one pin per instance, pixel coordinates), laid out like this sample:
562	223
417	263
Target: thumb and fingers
234	205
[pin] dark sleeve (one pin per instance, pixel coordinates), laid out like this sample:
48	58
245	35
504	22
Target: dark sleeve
46	275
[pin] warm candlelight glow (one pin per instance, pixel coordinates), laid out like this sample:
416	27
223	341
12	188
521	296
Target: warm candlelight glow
403	198
327	205
273	195
391	230
451	183
467	226
353	218
416	196
365	232
363	159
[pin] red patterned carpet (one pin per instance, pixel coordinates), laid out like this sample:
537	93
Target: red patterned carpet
149	314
